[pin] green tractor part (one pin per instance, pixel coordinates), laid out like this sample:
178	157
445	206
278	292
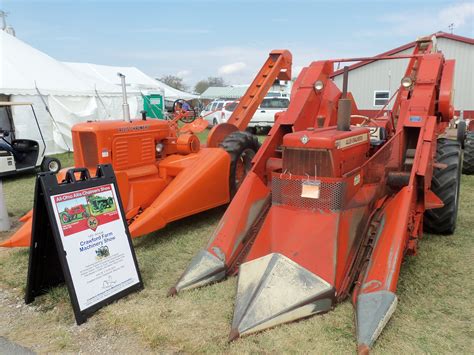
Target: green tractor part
99	204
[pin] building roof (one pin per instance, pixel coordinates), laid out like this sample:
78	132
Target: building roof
404	47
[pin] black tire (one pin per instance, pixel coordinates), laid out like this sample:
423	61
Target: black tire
65	218
50	165
251	130
445	184
242	147
468	157
461	132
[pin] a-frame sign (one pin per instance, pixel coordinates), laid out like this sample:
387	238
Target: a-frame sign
80	237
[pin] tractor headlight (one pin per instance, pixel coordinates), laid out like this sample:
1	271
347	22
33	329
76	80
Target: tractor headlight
318	85
407	82
159	147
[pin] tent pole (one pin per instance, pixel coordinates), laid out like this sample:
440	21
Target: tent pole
4	220
51	115
102	102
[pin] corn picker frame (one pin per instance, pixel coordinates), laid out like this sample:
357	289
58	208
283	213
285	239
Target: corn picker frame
334	201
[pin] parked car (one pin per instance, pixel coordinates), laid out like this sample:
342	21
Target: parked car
218	111
264	118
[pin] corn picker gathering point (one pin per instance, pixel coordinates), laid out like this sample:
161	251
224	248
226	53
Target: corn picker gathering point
162	172
334	201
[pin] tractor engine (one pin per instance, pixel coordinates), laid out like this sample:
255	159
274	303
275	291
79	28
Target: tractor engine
325	152
128	145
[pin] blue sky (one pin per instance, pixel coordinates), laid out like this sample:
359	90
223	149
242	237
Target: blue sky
196	39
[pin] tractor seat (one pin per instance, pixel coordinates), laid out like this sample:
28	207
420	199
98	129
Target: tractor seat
378	135
24	145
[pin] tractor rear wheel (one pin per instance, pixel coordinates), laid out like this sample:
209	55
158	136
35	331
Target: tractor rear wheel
461	132
445	184
241	147
468	162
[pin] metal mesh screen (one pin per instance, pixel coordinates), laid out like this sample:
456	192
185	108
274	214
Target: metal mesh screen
287	191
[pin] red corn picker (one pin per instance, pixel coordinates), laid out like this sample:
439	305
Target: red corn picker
335	200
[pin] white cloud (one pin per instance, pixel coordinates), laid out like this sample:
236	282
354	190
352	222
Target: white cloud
427	22
183	73
209	61
231	68
459	14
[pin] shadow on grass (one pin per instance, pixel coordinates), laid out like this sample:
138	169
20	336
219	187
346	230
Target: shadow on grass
174	230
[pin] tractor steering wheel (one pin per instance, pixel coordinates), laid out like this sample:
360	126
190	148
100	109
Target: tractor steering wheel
188	115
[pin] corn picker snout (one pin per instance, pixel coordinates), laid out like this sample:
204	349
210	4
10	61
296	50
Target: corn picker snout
335	200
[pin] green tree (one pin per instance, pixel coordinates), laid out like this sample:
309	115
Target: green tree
174	81
202	85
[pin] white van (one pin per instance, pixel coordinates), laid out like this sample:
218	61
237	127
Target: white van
219	111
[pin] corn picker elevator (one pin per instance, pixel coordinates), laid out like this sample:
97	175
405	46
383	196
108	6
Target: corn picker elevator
335	200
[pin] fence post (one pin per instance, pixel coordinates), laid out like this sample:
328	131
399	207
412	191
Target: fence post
4	220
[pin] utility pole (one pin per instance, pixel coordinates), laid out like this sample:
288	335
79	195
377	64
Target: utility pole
451	28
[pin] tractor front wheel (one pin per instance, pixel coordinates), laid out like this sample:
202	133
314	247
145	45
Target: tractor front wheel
445	184
468	162
52	165
242	147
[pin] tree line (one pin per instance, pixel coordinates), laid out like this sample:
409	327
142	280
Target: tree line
201	86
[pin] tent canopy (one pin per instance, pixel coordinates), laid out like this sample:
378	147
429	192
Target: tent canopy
22	68
135	79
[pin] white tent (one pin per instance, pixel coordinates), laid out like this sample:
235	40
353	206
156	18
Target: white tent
72	96
135	78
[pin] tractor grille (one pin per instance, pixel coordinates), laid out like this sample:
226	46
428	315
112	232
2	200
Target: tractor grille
298	161
287	191
89	149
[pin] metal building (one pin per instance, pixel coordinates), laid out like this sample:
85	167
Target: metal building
373	82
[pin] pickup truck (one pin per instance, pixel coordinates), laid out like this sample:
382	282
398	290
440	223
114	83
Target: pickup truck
265	115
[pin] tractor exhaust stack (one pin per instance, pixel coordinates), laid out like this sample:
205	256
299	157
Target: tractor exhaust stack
125	106
344	109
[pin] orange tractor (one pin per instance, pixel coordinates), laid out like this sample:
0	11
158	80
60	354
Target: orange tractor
163	172
72	213
335	200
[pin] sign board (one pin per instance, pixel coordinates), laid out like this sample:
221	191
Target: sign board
80	237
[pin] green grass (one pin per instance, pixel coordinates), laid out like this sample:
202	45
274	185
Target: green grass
434	314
